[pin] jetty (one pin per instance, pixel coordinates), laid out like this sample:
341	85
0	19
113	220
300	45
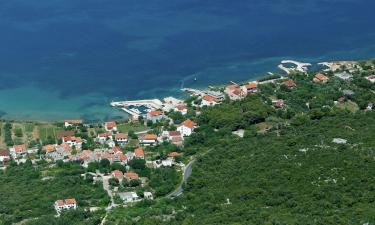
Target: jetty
201	93
299	66
149	103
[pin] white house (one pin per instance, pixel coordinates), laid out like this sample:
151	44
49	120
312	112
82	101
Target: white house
148	195
155	116
129	197
110	126
182	109
371	78
73	142
4	156
18	151
209	100
250	88
66	204
71	123
103	137
121	138
186	128
148	139
234	92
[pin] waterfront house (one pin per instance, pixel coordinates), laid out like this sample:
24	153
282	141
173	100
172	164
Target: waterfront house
186	128
148	139
103	137
18	151
182	109
234	92
289	84
121	138
129	197
131	176
66	204
250	88
4	156
209	100
138	153
320	78
371	78
73	142
71	123
110	126
154	116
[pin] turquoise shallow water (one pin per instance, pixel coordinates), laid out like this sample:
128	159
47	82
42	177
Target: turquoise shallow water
69	58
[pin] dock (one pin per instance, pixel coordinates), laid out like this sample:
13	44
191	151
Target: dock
299	66
149	103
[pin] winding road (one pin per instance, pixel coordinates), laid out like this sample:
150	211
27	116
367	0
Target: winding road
186	174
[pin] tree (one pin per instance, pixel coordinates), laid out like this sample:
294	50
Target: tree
113	182
138	164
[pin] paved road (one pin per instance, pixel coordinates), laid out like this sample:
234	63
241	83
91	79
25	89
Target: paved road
187	172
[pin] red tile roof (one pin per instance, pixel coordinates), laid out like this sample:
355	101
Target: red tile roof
60	202
72	139
174	133
118	174
181	107
155	113
66	146
121	136
131	175
116	149
105	134
188	123
321	77
70	201
110	125
4	153
150	137
20	148
173	154
289	83
251	86
139	153
49	148
74	121
210	98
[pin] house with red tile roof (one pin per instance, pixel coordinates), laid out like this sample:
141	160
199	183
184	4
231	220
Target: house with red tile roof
174	154
73	142
209	100
18	151
131	176
138	153
71	123
250	88
148	139
186	128
234	92
320	78
183	109
154	116
103	137
289	84
117	174
371	78
279	103
121	138
66	204
4	156
110	126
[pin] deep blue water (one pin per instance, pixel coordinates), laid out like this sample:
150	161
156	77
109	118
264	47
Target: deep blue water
69	58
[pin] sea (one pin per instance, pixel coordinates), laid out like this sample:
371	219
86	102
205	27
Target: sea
68	59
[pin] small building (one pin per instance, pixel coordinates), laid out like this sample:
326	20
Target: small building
235	92
4	156
129	197
344	76
138	153
148	139
110	126
148	195
71	123
154	116
75	142
320	78
209	100
121	138
103	137
66	204
18	151
279	103
289	84
371	78
131	176
173	154
250	88
57	152
117	174
182	109
186	128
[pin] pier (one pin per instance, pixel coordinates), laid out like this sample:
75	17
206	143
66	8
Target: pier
149	103
299	66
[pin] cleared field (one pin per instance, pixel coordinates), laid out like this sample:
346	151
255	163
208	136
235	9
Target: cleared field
126	127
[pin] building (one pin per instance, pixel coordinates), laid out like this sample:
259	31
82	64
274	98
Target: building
138	153
154	116
103	137
371	78
250	88
209	100
148	139
75	142
121	138
110	126
182	109
71	123
173	136
117	174
128	197
66	204
234	92
57	152
18	151
131	176
320	78
4	156
186	128
344	76
289	84
148	195
278	103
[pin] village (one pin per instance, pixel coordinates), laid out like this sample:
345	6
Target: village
120	159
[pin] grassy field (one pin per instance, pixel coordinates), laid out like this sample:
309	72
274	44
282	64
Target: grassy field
126	127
